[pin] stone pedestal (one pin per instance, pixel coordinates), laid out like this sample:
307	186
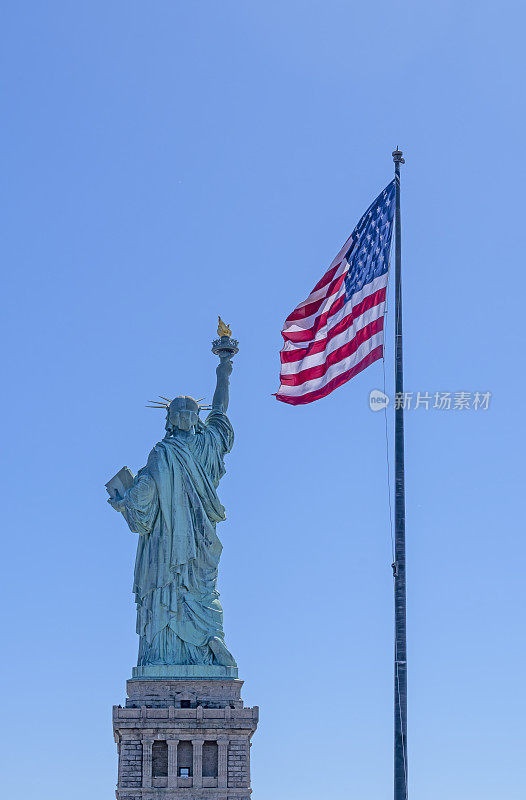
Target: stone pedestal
184	739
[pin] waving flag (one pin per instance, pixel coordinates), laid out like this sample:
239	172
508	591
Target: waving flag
339	329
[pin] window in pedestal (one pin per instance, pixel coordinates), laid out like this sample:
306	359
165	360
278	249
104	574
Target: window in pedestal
210	759
185	759
160	759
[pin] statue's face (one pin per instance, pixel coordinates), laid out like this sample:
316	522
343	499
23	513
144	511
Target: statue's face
183	413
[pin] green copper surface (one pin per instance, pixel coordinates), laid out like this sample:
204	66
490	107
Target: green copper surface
172	504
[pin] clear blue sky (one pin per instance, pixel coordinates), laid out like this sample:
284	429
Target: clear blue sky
165	162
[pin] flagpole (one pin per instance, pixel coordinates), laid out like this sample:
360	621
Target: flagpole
400	656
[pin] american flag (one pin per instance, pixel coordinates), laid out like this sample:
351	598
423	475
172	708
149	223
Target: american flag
339	329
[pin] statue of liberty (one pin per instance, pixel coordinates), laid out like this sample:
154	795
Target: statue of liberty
172	504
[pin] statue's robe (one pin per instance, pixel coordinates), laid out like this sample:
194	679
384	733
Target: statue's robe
173	505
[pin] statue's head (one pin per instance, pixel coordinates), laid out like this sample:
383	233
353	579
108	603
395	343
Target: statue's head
183	413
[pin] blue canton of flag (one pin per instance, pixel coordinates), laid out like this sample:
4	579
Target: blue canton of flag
368	256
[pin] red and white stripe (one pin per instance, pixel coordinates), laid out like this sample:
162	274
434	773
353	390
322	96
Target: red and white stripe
328	340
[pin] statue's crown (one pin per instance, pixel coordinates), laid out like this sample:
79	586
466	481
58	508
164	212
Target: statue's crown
165	402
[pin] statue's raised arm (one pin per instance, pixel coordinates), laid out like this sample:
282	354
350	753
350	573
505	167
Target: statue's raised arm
221	394
225	347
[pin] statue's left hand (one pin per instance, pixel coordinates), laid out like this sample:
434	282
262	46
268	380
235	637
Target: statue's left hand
115	502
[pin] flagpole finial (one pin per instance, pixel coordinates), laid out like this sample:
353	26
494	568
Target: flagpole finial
397	156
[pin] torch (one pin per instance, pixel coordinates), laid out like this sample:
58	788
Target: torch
225	347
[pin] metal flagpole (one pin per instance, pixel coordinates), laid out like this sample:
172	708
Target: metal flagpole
400	658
